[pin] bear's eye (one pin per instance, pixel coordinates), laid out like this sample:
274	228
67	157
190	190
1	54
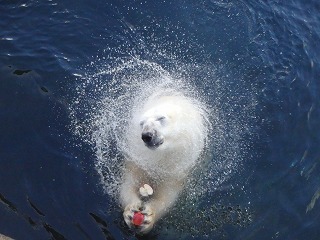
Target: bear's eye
141	123
160	118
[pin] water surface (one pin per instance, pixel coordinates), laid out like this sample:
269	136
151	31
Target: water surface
256	62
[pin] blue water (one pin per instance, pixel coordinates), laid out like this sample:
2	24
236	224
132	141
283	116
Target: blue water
265	56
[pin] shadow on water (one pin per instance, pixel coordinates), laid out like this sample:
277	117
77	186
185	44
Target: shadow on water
55	234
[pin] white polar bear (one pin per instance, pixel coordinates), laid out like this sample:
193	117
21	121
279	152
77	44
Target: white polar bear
164	141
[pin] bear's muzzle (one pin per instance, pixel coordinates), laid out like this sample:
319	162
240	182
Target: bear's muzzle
151	139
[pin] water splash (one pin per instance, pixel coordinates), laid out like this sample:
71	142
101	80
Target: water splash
109	93
107	97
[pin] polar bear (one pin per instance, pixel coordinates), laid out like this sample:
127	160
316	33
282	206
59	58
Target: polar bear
165	139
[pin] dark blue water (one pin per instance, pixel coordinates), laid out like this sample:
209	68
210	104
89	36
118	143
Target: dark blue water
266	54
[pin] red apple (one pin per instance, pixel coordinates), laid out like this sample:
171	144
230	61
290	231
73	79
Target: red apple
138	218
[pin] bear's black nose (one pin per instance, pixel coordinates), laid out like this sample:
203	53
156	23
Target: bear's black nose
147	137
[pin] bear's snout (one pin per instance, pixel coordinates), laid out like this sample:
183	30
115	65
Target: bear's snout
147	137
151	139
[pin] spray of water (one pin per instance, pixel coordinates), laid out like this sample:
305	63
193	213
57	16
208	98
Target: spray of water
107	98
108	95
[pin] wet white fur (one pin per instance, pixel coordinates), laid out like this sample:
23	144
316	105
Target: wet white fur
179	122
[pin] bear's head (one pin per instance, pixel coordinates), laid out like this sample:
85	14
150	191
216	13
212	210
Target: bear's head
157	126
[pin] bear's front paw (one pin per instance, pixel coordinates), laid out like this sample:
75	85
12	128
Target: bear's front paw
146	211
